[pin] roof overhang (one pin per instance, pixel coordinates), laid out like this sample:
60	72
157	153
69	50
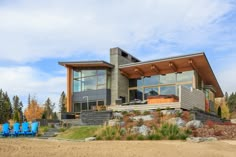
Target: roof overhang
87	64
197	62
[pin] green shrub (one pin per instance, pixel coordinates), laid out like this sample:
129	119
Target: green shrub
172	137
178	114
62	129
140	122
169	130
183	136
156	137
146	112
45	129
98	138
188	132
137	112
118	138
108	138
140	137
129	138
150	137
122	131
124	112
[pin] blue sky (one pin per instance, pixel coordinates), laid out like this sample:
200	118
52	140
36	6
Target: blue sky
35	35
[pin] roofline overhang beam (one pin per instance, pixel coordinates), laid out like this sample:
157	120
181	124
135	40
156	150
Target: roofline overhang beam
125	74
155	68
139	71
173	66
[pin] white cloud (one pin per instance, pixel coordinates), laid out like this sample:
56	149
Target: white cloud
24	80
31	30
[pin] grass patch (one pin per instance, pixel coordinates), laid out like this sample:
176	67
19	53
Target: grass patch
79	132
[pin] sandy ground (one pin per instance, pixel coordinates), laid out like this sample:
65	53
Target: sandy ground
23	147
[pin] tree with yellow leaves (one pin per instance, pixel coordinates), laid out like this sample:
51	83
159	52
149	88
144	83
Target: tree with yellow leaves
33	111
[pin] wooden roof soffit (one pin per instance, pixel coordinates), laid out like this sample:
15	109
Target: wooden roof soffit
155	69
173	66
191	63
124	73
140	72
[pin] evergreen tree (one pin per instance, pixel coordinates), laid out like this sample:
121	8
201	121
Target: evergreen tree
5	107
62	102
226	96
17	109
48	109
232	102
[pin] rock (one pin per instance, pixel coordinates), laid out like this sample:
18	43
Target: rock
177	121
201	139
144	130
113	122
194	124
117	115
145	118
168	112
135	130
90	139
233	121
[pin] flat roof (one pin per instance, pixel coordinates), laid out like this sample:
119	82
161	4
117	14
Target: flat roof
197	62
87	64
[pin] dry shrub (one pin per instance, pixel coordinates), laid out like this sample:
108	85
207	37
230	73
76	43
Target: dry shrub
210	123
186	116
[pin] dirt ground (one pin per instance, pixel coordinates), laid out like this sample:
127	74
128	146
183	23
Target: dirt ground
23	147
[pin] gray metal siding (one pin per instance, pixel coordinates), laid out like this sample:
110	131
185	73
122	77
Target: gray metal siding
93	95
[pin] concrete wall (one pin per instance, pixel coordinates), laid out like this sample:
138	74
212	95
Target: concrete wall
119	83
190	99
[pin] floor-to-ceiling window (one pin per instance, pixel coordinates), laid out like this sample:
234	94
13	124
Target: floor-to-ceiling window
166	84
84	80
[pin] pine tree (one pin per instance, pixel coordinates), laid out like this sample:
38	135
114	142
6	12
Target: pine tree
48	109
5	107
17	109
62	102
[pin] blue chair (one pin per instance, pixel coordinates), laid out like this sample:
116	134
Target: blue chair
25	128
34	128
16	129
5	130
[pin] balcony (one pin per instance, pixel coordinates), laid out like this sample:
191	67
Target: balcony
188	99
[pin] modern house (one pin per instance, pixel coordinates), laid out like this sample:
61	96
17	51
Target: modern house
125	82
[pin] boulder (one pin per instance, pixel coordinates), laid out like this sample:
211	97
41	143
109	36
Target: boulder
194	124
90	139
144	130
201	139
117	115
145	118
177	121
114	122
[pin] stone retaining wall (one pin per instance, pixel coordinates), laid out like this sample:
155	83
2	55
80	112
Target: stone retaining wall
204	116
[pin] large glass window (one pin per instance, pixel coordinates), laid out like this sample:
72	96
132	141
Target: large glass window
135	94
160	85
136	82
168	78
185	76
152	91
168	90
90	80
152	80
